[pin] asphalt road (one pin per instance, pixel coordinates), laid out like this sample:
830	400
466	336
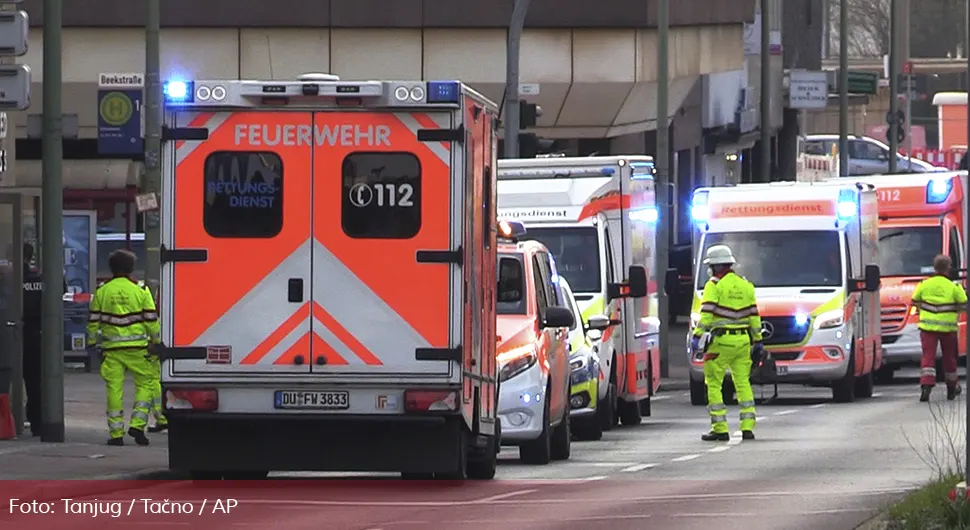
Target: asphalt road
815	464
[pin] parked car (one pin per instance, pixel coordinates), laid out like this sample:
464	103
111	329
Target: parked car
587	397
867	156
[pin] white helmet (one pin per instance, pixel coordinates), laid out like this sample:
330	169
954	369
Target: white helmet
719	255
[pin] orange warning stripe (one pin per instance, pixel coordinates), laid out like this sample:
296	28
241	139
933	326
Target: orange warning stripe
355	346
275	337
320	347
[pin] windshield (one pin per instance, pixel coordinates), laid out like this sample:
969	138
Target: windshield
576	251
511	287
909	251
105	248
806	258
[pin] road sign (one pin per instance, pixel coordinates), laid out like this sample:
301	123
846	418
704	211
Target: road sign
119	114
146	202
14	87
908	68
529	89
14	32
911	84
808	90
860	83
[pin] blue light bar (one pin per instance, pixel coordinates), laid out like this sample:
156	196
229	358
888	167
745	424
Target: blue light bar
643	170
938	189
178	92
848	205
700	211
444	92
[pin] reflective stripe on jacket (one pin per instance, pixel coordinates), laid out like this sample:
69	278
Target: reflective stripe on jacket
729	303
940	302
123	315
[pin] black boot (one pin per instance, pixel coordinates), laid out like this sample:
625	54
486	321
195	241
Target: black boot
158	428
117	442
953	391
747	435
138	435
925	393
716	437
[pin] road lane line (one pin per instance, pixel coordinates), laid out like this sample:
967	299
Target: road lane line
591	479
685	458
719	449
785	412
502	496
601	464
638	467
820	405
658	398
766	514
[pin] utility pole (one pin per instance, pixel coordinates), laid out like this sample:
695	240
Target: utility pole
765	94
844	88
152	183
511	77
894	63
966	249
52	233
662	180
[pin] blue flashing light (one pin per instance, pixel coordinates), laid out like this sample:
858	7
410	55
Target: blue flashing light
646	215
848	205
699	210
643	170
608	171
176	92
801	319
444	92
938	189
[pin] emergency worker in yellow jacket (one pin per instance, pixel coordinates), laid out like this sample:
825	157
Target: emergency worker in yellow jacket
123	322
729	333
940	302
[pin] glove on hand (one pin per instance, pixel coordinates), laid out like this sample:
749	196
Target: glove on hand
757	353
695	344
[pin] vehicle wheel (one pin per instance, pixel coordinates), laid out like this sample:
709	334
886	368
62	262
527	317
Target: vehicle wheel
245	475
885	374
698	393
843	390
561	444
205	475
589	429
539	451
606	410
645	407
865	385
482	464
629	413
940	374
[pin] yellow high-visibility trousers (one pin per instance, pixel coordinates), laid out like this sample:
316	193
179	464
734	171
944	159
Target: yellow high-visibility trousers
729	352
113	369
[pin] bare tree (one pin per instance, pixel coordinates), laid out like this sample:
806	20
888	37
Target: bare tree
868	27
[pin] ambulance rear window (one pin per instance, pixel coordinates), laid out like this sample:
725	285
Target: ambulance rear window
381	195
243	194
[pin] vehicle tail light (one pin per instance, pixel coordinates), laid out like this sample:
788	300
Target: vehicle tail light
205	399
430	400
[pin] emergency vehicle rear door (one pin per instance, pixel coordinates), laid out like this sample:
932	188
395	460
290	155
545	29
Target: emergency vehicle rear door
383	202
240	263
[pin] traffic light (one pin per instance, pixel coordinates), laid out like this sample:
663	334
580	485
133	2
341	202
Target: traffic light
528	114
528	145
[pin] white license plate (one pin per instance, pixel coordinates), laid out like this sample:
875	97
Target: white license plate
781	369
330	400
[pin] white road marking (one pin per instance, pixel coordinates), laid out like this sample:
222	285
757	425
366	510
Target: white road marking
687	394
685	458
591	479
517	519
859	492
658	398
502	496
601	464
765	514
820	405
877	394
720	449
785	412
638	467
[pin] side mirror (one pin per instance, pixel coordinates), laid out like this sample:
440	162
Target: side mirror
671	282
872	278
635	286
558	317
598	323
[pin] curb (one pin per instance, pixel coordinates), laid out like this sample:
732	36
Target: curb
51	490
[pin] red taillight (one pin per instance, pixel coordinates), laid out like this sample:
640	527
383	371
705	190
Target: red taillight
218	355
192	399
430	400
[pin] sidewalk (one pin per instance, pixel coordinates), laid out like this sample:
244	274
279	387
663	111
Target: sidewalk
84	454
